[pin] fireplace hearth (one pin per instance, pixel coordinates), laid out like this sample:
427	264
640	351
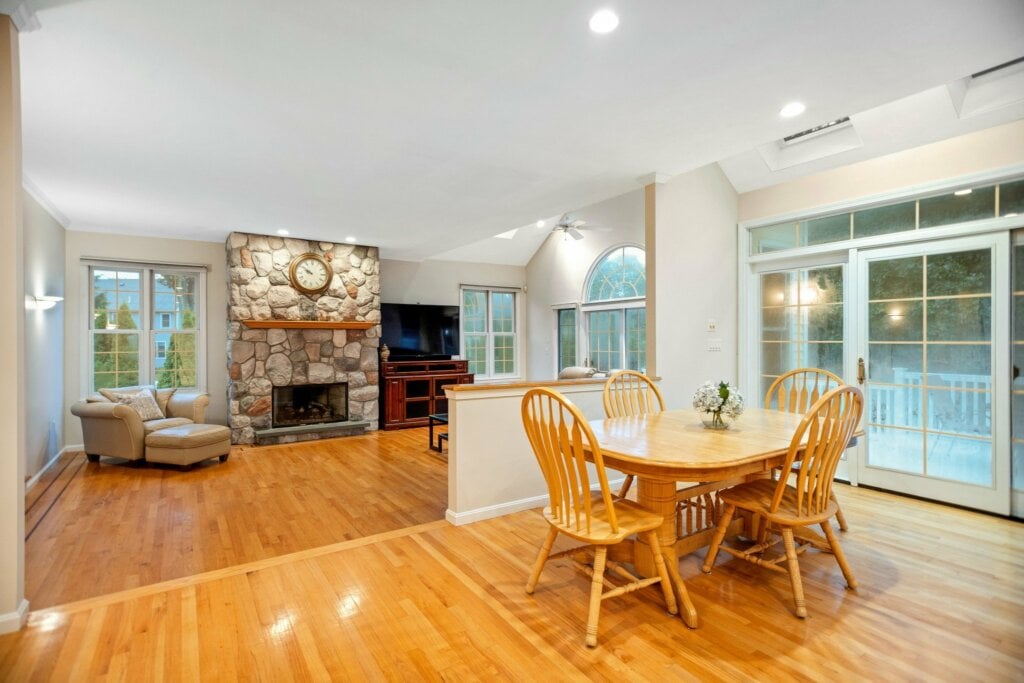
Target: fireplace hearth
310	404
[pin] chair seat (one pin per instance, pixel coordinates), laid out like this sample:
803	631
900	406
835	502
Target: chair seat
150	426
632	518
756	496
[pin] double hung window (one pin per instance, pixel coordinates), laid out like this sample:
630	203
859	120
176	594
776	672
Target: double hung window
490	331
144	326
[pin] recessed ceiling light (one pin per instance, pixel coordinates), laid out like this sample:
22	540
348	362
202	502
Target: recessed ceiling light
961	193
540	224
283	232
350	240
792	109
604	21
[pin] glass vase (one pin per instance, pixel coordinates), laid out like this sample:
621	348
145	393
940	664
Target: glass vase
715	420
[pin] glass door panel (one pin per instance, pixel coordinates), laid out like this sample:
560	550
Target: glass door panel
1017	398
927	341
802	326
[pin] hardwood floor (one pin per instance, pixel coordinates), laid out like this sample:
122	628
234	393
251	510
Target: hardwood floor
941	597
117	526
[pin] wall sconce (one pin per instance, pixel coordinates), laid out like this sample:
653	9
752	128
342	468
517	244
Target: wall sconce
41	303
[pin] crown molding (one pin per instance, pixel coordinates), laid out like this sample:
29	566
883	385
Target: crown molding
44	201
23	16
653	179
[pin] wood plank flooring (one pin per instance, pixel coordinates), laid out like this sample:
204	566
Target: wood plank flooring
118	526
941	598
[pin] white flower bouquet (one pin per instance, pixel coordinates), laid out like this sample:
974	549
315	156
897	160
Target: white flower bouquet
717	402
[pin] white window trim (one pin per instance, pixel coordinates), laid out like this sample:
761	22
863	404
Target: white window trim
517	334
147	332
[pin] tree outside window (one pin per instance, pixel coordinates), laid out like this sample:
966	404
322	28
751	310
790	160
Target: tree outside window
614	310
490	332
130	303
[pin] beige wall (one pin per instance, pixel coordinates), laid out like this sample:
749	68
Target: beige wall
86	244
695	263
557	272
44	338
984	151
13	607
437	282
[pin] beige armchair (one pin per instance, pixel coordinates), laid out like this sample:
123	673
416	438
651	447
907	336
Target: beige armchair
116	430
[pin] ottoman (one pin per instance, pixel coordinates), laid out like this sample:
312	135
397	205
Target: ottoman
188	444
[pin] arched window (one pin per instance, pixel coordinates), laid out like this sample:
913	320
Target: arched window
619	274
614	312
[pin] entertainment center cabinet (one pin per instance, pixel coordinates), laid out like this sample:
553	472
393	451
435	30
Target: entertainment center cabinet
414	389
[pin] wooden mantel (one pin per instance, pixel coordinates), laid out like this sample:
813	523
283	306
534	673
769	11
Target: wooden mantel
308	324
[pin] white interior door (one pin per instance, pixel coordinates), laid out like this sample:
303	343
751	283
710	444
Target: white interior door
932	326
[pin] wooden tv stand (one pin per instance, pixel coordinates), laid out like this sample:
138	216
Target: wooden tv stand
413	389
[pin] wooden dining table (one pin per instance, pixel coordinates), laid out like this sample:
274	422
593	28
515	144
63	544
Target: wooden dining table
665	448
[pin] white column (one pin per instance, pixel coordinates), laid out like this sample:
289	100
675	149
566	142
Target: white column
13	606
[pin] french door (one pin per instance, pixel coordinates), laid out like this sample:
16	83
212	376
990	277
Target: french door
930	330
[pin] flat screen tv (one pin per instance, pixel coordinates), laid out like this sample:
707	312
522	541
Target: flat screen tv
420	331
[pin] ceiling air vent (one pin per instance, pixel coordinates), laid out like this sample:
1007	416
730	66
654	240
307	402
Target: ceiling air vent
989	89
817	131
825	140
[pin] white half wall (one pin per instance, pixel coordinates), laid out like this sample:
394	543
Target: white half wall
695	262
492	470
130	248
44	338
558	271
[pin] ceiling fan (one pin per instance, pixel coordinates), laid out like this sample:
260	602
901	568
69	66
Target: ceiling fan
570	227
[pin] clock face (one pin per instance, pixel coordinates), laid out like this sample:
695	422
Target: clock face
310	273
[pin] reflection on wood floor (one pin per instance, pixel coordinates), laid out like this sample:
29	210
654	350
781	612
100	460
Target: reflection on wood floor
94	529
940	597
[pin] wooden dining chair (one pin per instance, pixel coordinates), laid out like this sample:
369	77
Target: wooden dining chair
826	428
796	391
560	438
627	393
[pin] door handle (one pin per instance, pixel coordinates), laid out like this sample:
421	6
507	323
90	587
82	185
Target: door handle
861	371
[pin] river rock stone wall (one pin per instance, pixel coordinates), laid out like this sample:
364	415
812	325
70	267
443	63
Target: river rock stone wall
260	359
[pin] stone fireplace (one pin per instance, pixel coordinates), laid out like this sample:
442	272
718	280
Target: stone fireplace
309	404
323	340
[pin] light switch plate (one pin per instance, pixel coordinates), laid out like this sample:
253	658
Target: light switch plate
712	324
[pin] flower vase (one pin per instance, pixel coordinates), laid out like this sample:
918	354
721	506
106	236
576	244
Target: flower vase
714	419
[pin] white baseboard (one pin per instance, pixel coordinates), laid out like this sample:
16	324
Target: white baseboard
502	509
13	621
38	475
492	511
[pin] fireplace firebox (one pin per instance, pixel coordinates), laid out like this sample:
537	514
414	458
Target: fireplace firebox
309	404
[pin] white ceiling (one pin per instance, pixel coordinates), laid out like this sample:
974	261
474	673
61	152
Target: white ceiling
423	126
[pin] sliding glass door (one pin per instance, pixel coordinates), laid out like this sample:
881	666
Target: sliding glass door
929	320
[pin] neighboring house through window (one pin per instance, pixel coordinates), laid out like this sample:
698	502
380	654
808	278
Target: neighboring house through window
144	326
